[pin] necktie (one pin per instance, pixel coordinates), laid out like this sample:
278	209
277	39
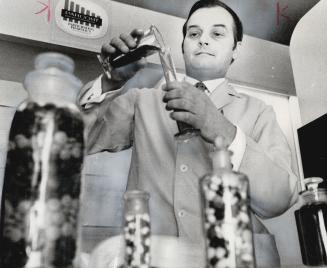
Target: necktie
201	86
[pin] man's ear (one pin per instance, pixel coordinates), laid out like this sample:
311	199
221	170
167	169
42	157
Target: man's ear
236	50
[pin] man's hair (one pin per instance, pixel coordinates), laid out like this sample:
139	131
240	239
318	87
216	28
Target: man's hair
237	27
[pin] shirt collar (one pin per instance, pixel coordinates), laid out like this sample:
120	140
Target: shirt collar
210	84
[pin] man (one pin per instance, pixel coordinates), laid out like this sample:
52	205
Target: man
170	169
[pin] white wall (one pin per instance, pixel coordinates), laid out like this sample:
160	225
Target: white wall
308	50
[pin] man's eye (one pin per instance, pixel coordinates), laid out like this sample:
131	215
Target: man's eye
217	34
193	35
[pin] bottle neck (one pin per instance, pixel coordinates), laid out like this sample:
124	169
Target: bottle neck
136	202
314	196
221	160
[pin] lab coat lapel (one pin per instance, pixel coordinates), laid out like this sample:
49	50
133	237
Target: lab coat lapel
222	95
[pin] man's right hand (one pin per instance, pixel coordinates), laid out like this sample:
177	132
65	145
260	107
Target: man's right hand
122	45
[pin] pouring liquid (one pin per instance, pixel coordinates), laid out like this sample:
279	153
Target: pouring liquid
134	55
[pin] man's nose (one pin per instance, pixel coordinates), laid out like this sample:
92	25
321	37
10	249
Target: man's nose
203	41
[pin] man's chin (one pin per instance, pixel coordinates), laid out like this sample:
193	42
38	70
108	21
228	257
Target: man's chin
204	66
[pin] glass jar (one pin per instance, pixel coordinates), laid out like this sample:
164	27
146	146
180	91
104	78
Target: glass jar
311	221
42	182
137	229
226	213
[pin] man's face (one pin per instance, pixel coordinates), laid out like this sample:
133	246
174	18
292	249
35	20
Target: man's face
209	43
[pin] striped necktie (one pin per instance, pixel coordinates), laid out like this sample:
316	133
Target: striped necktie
200	85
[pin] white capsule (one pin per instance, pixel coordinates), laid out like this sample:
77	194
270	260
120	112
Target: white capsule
140	249
211	218
218	231
210	211
247	236
129	217
129	250
244	217
234	200
147	242
211	252
145	230
210	195
135	256
221	252
214	186
247	257
145	217
147	258
216	180
224	263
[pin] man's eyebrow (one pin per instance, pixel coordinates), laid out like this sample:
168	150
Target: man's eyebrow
220	25
193	26
215	25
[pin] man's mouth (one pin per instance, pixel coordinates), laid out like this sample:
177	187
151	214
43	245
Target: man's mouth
203	53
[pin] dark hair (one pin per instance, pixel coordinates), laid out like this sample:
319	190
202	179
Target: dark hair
238	28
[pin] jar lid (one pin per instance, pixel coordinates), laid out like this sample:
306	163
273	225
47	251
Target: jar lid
312	192
312	183
136	194
54	59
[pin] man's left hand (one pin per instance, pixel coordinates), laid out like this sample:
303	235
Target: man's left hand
192	106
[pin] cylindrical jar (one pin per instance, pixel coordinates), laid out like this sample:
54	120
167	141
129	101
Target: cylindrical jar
226	213
42	182
311	221
137	229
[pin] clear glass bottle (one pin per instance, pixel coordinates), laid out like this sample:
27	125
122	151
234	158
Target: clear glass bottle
311	222
226	213
137	229
42	182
